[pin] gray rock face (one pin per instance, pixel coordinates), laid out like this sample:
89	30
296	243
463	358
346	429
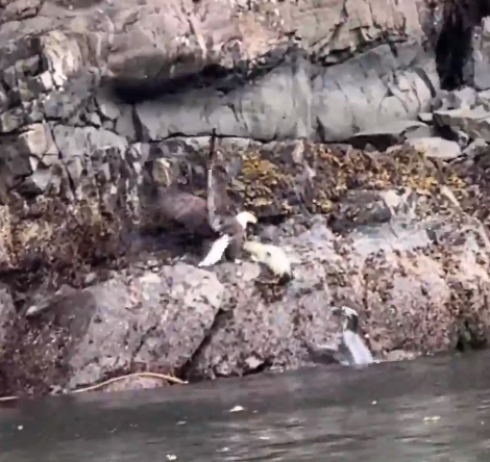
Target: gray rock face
82	83
156	320
330	107
390	134
7	314
457	99
97	99
395	245
298	314
160	318
349	271
473	121
436	147
481	44
409	279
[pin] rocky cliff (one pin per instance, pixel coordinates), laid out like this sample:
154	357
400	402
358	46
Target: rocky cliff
100	100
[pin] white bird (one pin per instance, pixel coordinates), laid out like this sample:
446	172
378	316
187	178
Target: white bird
352	349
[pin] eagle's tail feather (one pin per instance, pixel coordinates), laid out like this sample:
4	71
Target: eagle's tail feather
216	252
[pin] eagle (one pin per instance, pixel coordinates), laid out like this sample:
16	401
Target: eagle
208	219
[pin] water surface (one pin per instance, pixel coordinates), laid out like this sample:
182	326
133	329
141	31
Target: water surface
435	409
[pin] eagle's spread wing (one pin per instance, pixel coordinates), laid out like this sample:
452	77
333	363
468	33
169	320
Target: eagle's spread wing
216	252
185	209
217	196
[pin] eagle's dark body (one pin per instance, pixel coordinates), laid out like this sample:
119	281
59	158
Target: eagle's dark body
191	213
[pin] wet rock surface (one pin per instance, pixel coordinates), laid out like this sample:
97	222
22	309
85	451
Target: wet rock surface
401	239
7	313
154	319
102	101
400	278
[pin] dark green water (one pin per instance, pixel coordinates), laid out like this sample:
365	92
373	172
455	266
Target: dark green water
430	410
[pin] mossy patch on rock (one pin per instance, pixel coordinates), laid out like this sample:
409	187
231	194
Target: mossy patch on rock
52	239
275	180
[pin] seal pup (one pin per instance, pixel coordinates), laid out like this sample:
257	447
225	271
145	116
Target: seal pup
208	218
352	349
271	256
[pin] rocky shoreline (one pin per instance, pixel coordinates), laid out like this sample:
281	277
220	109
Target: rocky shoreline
359	140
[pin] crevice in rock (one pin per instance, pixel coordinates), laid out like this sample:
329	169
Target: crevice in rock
149	332
335	57
71	182
274	220
85	123
138	126
338	27
135	90
454	44
320	130
469	340
264	366
188	370
423	76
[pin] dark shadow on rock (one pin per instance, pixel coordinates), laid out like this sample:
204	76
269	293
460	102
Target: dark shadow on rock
454	45
77	4
323	355
32	368
194	73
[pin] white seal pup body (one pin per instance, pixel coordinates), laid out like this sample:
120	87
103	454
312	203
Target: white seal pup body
352	349
271	256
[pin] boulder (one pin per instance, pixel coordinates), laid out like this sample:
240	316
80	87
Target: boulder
390	134
151	319
472	121
436	147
